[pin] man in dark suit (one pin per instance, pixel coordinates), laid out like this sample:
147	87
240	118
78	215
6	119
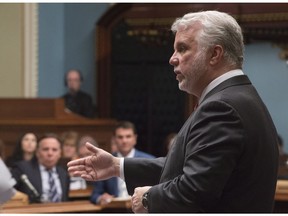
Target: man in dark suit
77	100
225	157
125	137
38	170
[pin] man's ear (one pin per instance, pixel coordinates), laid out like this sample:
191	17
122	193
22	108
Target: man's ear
217	54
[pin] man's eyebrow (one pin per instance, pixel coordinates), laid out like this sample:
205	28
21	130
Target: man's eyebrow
181	43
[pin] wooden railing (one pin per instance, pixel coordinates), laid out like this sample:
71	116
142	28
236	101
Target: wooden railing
43	115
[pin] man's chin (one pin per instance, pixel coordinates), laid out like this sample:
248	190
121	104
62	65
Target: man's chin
73	91
182	88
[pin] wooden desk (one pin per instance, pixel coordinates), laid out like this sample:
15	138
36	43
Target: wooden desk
81	206
118	205
281	193
81	193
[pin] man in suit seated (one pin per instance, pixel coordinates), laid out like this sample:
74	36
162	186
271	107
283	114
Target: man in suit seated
77	183
125	137
40	178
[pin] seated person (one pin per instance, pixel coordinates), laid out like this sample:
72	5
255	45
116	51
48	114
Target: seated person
69	141
76	100
40	178
125	139
78	183
24	150
81	148
69	147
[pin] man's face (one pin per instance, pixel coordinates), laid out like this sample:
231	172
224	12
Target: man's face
189	61
48	152
125	140
73	81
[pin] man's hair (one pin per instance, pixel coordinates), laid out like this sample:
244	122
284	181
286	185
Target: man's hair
50	135
125	125
18	152
86	138
69	137
74	70
218	28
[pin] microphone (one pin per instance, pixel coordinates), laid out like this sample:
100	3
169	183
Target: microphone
26	181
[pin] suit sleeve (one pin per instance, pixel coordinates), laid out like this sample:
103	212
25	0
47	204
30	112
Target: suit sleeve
98	189
16	172
212	147
107	186
142	172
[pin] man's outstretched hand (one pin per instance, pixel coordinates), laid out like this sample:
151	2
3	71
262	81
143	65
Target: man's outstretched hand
100	165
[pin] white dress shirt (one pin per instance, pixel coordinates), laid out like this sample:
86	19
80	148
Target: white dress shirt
121	183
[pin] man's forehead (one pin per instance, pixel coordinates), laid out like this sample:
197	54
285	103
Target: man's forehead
47	142
73	74
124	130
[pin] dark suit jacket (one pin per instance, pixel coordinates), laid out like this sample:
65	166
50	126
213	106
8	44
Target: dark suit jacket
80	103
31	169
111	185
225	157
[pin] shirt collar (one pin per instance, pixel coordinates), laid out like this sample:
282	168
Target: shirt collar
42	168
130	155
219	80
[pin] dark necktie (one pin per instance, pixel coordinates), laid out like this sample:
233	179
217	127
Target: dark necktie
53	195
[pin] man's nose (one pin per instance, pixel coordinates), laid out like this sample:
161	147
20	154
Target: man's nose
124	140
173	60
50	152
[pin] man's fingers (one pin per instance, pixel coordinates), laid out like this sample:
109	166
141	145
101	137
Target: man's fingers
76	168
76	162
87	177
92	148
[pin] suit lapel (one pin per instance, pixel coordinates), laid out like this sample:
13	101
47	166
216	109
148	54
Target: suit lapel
62	181
237	80
36	176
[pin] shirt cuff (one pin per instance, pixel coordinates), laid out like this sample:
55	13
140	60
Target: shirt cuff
122	169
